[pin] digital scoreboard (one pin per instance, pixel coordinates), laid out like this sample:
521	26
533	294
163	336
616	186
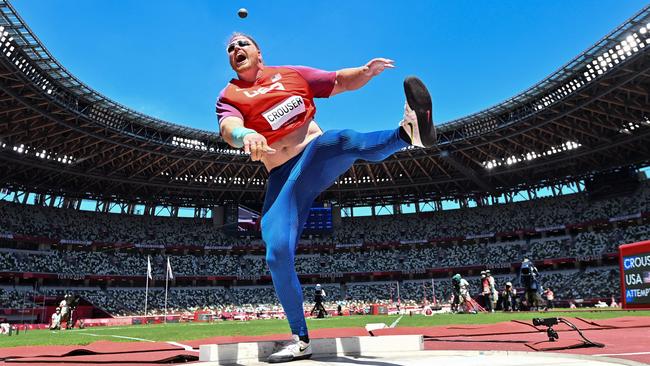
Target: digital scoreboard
634	261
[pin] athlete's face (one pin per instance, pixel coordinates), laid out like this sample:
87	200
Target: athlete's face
243	54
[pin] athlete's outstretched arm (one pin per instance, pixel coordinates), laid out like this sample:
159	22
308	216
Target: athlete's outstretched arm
226	127
233	131
356	77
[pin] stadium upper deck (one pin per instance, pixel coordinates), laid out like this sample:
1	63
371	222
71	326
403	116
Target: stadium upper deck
58	136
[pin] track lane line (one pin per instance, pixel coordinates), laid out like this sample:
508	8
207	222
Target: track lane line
183	346
396	321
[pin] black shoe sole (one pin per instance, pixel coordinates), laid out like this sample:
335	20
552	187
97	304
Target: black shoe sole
419	99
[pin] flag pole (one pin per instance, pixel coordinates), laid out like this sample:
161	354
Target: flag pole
433	292
166	284
146	288
399	299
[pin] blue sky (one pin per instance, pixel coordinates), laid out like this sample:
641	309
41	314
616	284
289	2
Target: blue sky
167	59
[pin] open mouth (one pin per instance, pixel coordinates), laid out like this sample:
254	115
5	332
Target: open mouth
240	58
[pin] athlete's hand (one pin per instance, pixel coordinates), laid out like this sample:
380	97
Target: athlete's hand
255	145
375	66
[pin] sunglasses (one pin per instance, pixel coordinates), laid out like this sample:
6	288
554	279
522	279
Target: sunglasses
240	43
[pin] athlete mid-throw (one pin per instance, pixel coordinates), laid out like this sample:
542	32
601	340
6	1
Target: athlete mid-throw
269	112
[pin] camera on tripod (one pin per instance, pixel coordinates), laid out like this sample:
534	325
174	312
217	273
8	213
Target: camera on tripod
319	295
546	322
72	300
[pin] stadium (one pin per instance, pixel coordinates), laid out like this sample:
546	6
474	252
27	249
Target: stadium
152	229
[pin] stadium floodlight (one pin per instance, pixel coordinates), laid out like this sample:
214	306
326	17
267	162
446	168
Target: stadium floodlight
511	160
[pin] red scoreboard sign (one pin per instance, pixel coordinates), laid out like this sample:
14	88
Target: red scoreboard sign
634	261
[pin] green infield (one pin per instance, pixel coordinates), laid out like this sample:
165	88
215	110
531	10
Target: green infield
185	331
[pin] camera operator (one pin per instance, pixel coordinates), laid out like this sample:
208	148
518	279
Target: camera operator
455	292
71	302
494	293
509	298
319	295
64	315
550	299
528	277
56	320
486	292
460	290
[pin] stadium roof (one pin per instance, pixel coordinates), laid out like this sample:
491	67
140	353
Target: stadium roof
59	136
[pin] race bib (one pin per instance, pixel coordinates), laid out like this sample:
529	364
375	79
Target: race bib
284	111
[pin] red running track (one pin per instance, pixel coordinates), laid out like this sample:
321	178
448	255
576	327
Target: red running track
621	337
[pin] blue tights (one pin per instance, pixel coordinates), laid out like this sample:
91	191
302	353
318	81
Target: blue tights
291	190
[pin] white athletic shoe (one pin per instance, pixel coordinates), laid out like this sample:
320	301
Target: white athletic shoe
417	121
410	125
295	350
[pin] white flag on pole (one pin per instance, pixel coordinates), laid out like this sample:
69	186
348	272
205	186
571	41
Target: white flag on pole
169	270
149	269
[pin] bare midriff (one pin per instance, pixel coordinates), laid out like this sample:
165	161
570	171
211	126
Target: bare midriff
291	145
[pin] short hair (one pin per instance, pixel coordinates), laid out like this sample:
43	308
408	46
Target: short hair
240	34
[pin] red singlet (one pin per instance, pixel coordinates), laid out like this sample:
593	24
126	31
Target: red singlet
278	102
